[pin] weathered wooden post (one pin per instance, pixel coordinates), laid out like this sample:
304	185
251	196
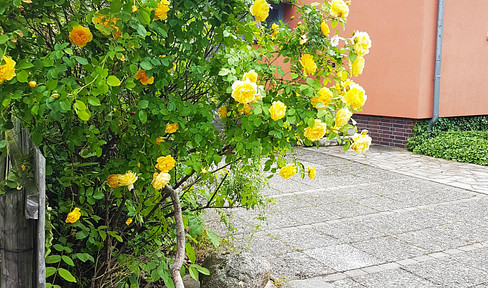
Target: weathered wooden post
22	215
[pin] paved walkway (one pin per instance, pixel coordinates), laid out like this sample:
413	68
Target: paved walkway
387	218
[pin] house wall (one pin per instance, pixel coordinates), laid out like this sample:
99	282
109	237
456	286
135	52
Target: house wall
464	68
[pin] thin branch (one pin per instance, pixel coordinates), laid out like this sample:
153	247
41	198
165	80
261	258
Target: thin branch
180	238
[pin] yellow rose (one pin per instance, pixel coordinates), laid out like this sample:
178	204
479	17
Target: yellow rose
159	140
80	36
245	109
311	172
339	9
288	171
141	76
325	97
324	28
361	42
342	117
223	112
128	179
134	9
309	66
32	84
277	110
113	180
260	10
160	180
107	21
161	12
316	132
274	30
244	91
357	66
171	128
128	221
165	163
73	216
7	70
361	142
355	96
252	76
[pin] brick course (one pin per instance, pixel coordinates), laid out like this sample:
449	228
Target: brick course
388	131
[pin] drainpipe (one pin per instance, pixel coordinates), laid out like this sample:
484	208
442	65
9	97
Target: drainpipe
438	58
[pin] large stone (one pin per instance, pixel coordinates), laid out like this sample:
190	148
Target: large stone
241	270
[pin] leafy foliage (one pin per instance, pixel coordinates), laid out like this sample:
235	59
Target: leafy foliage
462	139
98	103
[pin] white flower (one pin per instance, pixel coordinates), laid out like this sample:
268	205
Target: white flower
334	41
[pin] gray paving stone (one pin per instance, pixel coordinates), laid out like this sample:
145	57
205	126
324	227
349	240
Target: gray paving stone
306	216
477	258
289	185
346	283
342	257
448	273
348	231
381	203
397	249
264	245
467	231
431	240
394	278
297	265
305	237
347	209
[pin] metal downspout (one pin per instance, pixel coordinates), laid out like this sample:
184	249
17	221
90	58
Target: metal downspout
438	60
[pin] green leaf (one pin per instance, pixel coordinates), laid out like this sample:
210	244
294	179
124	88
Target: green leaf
143	116
22	64
144	15
190	252
3	38
311	122
84	257
212	236
68	260
143	104
113	81
22	76
80	105
81	60
201	269
66	275
193	272
115	6
92	100
83	114
352	56
53	259
188	170
146	65
50	271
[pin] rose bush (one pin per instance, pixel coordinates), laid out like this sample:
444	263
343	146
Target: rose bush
124	98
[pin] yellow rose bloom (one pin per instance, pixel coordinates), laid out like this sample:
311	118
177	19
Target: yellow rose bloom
160	180
113	180
134	9
339	9
342	117
311	172
252	76
357	66
165	163
128	221
7	70
80	36
361	142
244	91
355	96
161	12
309	66
324	97
171	128
128	179
361	42
141	76
73	216
32	84
324	28
288	171
223	112
159	140
107	21
260	10
245	109
274	30
277	110
316	132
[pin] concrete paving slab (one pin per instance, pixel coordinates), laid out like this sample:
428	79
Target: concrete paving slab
448	273
432	240
343	257
348	231
394	278
304	237
297	265
397	249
